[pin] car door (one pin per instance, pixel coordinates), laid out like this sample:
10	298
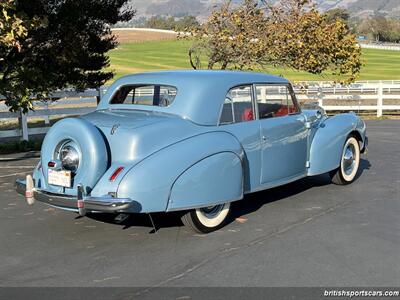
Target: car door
238	118
283	134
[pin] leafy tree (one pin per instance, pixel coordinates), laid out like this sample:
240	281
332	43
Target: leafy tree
160	22
381	29
291	34
186	23
341	14
303	39
172	23
12	27
67	47
230	39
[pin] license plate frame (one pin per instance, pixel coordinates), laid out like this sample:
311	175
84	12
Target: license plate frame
59	178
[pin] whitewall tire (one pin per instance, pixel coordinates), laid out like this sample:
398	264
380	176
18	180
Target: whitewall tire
349	163
207	219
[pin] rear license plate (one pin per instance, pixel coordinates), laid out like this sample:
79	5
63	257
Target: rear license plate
60	178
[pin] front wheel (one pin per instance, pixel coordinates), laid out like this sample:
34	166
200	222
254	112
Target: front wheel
206	219
349	163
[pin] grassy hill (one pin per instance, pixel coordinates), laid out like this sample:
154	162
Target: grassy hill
166	55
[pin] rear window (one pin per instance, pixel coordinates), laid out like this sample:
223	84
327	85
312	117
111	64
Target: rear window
153	95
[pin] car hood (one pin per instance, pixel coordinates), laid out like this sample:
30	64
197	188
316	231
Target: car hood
132	135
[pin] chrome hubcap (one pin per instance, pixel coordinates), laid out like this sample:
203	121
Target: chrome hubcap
211	211
349	159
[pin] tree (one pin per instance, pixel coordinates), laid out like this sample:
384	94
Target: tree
303	39
381	29
12	27
231	38
334	14
291	34
172	23
67	47
160	22
186	23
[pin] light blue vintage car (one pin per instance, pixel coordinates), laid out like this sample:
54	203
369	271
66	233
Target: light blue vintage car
190	141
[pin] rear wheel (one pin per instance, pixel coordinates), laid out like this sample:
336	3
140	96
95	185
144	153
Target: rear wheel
206	219
349	163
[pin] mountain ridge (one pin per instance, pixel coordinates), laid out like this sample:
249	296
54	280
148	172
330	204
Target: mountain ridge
202	8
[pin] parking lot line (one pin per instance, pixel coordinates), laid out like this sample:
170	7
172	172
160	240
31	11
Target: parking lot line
14	174
17	167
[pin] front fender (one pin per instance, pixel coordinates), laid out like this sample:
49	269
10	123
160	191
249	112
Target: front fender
328	141
150	182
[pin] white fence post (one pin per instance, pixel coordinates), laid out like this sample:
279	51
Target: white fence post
320	97
46	117
23	122
379	111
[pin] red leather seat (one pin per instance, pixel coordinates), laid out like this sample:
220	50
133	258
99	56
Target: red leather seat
283	111
247	115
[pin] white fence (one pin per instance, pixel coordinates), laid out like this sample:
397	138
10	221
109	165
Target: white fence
381	47
69	103
144	30
359	97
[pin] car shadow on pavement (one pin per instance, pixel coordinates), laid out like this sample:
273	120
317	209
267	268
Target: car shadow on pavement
154	222
250	203
253	202
364	165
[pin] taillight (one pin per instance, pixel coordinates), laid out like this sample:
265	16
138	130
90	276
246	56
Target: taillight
51	164
116	173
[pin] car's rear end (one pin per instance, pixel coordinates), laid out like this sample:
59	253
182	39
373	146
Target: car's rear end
83	160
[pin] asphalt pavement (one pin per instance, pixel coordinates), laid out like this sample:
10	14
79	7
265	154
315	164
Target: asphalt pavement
307	233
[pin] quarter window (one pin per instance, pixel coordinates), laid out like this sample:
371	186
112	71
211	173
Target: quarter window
275	101
154	95
237	106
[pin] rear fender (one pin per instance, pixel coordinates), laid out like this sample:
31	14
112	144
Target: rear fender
150	182
213	180
327	144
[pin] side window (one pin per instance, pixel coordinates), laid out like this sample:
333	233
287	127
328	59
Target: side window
154	95
227	114
237	106
275	101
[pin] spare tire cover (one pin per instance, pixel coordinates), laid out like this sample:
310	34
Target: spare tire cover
91	147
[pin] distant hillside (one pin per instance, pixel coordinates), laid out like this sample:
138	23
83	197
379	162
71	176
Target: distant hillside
363	8
202	8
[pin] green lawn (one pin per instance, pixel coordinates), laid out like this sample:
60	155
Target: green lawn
165	55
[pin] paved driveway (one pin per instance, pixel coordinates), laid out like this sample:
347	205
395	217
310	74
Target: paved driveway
308	233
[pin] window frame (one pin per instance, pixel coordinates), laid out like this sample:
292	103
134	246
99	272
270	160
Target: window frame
291	93
134	86
253	106
253	87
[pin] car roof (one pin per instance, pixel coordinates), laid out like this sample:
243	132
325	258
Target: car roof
200	93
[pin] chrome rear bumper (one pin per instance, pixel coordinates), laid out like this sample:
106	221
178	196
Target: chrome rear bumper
90	204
